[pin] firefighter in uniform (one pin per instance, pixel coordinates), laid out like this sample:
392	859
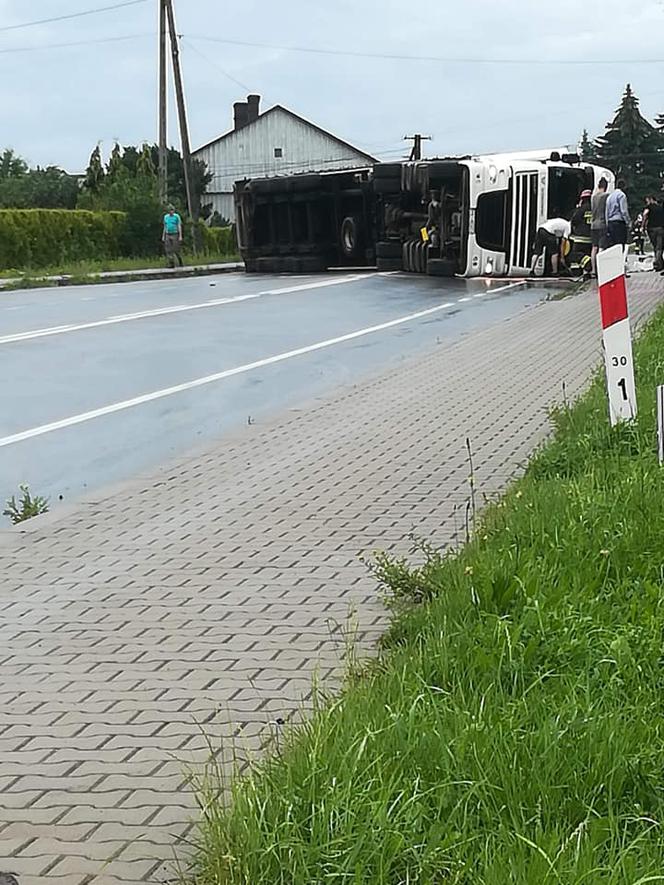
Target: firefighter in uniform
581	237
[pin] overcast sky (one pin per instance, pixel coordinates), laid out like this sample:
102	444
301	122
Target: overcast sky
57	103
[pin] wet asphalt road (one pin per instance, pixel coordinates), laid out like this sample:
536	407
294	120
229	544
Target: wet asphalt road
100	383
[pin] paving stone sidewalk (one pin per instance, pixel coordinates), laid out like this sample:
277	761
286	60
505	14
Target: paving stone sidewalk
198	603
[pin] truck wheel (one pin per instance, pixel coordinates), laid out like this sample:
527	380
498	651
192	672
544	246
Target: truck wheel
405	257
410	256
384	265
441	267
419	258
388	249
350	236
424	256
415	258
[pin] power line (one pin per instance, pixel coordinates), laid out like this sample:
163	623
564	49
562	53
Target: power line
430	58
213	64
61	18
74	44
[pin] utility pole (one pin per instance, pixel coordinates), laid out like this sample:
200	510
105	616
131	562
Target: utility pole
192	197
417	139
163	110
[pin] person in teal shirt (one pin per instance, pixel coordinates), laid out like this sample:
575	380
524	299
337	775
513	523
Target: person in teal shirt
172	237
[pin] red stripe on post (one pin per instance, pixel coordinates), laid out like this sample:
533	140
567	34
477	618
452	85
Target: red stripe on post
613	302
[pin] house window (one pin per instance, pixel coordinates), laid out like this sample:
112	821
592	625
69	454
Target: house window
278	152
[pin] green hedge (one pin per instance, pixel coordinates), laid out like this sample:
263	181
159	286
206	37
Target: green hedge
31	239
34	238
218	240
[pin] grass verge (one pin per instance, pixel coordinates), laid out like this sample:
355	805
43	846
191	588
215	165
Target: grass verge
512	730
89	268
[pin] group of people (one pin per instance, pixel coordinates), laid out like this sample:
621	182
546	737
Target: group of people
600	220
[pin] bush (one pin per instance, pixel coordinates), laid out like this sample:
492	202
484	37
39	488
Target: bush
33	238
218	240
137	199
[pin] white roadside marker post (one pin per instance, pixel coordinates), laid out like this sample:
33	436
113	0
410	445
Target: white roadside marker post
616	334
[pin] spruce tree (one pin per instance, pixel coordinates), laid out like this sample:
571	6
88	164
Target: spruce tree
144	165
116	168
94	176
587	148
630	147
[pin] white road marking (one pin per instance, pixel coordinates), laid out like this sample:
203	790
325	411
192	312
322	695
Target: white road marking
211	379
164	311
491	291
320	285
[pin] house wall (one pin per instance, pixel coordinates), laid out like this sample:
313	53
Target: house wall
250	153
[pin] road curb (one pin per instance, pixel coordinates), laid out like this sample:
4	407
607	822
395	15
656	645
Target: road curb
128	276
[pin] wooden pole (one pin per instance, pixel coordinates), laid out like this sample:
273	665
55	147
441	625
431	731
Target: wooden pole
163	109
417	139
192	197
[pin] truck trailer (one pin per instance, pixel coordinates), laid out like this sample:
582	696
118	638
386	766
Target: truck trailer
453	216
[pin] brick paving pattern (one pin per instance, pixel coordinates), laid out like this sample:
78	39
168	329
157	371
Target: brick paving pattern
196	604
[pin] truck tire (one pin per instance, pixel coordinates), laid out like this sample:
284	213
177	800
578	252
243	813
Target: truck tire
388	265
423	249
387	185
405	257
415	258
350	236
408	256
388	249
441	267
419	257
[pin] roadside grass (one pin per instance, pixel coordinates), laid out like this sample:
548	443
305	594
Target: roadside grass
512	729
86	269
26	507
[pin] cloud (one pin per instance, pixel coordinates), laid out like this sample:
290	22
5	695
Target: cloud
63	101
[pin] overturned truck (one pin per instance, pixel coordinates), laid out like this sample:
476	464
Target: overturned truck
465	216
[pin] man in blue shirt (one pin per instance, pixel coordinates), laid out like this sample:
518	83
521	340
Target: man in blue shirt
618	221
172	237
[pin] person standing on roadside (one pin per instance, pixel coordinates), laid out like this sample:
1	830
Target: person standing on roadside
618	221
654	224
172	237
598	228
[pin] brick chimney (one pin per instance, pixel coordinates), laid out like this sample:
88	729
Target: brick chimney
240	115
253	105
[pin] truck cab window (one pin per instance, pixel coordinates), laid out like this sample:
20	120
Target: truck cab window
490	221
